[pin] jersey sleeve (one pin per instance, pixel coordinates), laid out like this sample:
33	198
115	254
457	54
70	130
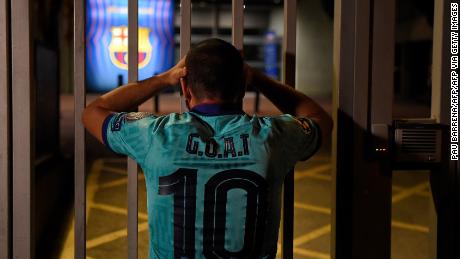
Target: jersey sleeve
301	137
129	133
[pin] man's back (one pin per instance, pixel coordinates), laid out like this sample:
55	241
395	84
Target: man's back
213	176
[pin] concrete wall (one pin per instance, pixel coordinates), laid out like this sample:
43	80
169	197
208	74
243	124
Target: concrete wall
314	47
204	17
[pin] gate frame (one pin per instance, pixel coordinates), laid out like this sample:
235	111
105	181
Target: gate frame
5	130
80	134
362	71
22	110
132	168
289	50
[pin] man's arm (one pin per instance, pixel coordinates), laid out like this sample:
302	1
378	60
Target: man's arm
127	97
288	100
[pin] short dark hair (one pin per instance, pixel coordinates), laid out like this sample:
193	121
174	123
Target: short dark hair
215	70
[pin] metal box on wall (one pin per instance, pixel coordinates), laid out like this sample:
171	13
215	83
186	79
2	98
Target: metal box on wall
417	141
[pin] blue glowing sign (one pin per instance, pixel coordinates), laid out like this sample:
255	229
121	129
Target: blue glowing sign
107	41
271	55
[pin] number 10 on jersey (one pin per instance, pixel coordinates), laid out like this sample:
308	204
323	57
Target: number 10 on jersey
182	185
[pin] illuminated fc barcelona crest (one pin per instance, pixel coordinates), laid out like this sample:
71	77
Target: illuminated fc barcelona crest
118	47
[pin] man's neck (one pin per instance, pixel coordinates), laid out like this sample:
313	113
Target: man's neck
213	108
195	102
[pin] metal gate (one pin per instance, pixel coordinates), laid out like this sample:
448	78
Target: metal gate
16	94
17	101
289	47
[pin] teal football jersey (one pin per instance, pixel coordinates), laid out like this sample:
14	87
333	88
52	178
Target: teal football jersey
214	177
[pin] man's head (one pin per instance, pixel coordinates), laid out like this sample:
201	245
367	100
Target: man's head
214	73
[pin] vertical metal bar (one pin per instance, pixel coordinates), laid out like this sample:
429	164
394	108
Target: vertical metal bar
289	41
22	101
441	66
237	23
185	26
215	18
363	73
185	31
5	133
80	103
289	56
343	67
383	45
132	165
378	175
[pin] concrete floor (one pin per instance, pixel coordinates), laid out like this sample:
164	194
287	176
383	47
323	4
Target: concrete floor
107	201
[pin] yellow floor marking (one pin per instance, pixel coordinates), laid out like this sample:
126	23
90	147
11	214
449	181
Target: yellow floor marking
409	192
312	172
312	235
314	208
109	237
115	170
407	226
424	193
394	223
115	209
91	188
118	182
311	253
320	177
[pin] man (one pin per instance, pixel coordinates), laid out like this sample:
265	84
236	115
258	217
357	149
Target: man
213	174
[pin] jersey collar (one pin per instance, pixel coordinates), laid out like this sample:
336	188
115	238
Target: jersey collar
214	109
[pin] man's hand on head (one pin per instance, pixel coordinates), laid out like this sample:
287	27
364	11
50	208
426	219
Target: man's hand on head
173	75
288	100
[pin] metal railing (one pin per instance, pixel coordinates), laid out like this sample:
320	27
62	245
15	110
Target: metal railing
351	33
17	236
5	131
289	48
22	102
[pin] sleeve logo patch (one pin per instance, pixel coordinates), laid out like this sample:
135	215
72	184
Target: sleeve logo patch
118	121
305	125
134	116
